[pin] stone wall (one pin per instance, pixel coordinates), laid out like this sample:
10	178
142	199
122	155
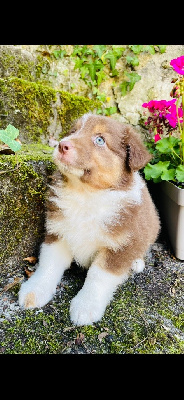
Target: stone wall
154	69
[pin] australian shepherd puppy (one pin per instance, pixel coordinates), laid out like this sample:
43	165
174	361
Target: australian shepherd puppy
99	214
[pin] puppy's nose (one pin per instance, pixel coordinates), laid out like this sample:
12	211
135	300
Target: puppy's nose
64	146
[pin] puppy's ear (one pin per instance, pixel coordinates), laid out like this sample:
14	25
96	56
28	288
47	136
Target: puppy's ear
137	154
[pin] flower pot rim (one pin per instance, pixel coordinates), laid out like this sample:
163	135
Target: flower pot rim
173	191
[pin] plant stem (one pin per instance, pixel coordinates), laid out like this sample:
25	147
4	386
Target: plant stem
182	135
173	151
177	103
181	131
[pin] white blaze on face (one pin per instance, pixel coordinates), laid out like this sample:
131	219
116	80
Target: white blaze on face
84	120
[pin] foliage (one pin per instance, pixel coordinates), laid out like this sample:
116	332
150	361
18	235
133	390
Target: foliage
165	122
9	135
97	63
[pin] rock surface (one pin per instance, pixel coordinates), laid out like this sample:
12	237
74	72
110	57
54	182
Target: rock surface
146	315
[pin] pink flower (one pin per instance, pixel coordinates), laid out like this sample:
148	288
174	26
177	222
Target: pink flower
158	104
172	116
178	65
157	137
172	120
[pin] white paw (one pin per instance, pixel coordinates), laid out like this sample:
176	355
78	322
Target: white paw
138	265
85	310
31	295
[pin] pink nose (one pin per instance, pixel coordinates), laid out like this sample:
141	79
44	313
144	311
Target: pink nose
64	146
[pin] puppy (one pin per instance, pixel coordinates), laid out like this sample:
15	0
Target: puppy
99	214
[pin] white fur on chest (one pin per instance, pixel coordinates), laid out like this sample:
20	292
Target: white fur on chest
86	215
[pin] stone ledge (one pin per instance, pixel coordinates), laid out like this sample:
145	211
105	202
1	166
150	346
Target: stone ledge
23	185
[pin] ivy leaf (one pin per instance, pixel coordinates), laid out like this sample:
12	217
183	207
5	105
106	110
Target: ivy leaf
113	56
123	88
118	51
114	72
110	110
59	53
99	48
150	48
9	135
137	48
100	76
93	67
133	77
180	173
92	70
83	71
162	48
78	63
132	60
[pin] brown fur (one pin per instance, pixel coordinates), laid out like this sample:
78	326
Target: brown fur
109	167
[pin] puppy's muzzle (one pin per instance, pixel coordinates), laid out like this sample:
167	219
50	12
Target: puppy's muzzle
65	146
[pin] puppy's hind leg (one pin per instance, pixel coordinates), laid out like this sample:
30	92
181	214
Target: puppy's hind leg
39	289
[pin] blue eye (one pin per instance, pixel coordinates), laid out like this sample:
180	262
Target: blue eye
99	140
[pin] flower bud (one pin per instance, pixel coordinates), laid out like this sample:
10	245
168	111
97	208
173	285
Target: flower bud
176	91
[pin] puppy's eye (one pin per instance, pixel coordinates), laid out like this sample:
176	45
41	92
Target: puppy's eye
99	140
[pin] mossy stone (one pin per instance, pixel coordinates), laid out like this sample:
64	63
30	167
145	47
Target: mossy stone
23	185
31	107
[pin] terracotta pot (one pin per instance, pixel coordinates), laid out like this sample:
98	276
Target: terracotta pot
172	208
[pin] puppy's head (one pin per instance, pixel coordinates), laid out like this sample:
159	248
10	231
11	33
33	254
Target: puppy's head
101	152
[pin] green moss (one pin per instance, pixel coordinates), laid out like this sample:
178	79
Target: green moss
130	325
34	102
73	107
13	63
29	107
23	185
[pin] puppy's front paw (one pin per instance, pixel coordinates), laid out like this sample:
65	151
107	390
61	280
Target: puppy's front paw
85	310
32	295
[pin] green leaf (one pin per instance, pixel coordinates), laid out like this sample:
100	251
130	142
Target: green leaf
8	135
132	60
133	77
83	71
158	171
114	72
150	48
136	48
162	48
99	48
166	145
110	110
168	174
112	58
100	76
92	70
77	50
123	88
59	53
12	131
118	51
180	173
78	63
